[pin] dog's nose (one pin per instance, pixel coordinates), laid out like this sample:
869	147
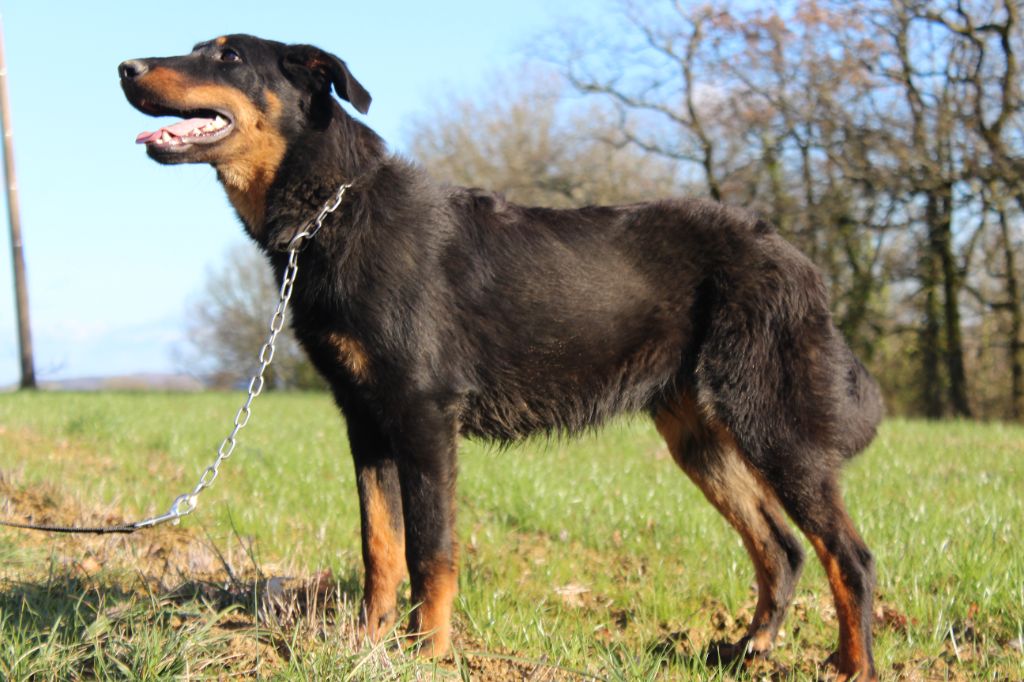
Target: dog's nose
133	68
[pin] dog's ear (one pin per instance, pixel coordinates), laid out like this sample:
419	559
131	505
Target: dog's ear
316	70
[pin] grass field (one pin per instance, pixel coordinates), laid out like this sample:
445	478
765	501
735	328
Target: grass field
591	559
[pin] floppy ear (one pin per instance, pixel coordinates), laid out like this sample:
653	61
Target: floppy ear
317	70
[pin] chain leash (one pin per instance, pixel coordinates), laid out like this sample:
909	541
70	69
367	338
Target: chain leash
186	503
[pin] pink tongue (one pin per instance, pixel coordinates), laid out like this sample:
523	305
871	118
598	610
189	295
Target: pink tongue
179	129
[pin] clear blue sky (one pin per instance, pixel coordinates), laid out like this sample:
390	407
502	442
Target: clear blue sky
117	245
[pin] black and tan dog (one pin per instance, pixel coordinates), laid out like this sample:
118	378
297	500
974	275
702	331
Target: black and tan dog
437	311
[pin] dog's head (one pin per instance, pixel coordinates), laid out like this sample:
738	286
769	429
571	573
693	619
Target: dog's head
242	101
236	95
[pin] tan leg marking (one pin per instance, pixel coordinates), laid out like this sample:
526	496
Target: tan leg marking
385	563
432	619
853	659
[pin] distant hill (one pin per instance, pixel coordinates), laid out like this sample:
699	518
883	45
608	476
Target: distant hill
126	382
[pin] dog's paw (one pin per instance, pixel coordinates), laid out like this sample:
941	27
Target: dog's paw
722	653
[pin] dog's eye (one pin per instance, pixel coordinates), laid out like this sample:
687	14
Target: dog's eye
229	55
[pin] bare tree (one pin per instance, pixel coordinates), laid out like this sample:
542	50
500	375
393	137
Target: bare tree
524	143
228	323
663	102
990	38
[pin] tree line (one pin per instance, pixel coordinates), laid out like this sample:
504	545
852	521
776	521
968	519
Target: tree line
884	138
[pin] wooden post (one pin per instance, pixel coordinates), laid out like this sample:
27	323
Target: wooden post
28	372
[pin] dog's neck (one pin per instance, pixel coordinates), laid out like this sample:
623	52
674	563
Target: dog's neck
289	194
246	188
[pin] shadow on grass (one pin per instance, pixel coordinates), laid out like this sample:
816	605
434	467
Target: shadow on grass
719	659
70	626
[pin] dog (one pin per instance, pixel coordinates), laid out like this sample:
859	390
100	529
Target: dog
435	312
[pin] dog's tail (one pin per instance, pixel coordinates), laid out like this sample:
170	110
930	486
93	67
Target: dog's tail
863	407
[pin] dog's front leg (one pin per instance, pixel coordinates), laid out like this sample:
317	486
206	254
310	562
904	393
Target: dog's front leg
426	466
383	535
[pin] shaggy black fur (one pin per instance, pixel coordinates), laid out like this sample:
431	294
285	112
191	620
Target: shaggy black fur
436	311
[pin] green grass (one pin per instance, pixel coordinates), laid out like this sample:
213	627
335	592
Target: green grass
595	555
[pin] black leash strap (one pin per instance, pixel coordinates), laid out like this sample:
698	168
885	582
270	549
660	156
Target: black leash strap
94	530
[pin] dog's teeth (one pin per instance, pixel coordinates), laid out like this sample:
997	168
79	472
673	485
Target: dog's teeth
209	128
166	137
218	123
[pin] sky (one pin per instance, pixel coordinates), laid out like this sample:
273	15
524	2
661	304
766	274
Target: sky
116	245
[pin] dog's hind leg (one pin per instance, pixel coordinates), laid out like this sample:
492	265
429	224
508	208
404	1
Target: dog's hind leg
812	498
711	458
383	535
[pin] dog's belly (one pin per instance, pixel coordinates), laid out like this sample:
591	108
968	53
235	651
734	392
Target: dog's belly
546	375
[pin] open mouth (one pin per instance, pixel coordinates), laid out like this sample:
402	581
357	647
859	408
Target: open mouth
199	127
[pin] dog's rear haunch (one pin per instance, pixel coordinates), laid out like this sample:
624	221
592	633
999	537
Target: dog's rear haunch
435	311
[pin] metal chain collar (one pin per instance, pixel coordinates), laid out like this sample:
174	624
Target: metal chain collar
185	504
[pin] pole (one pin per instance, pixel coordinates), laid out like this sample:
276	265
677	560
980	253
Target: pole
28	372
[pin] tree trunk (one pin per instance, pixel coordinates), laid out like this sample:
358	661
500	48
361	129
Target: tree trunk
931	377
780	198
811	226
940	230
1013	299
